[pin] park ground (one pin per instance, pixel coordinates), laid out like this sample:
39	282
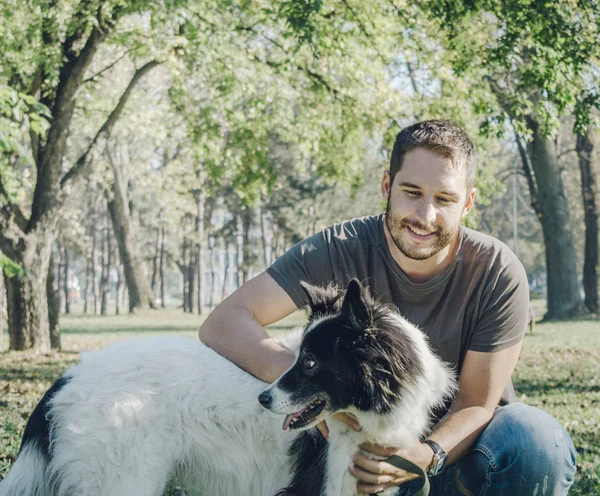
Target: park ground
559	371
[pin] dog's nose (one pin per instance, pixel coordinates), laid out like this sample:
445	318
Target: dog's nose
265	399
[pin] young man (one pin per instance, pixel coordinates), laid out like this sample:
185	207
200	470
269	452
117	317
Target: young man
467	291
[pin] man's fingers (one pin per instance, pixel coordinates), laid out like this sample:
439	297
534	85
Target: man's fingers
349	420
379	450
323	429
376	466
368	477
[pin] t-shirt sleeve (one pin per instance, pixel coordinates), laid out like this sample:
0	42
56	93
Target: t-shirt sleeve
505	312
308	261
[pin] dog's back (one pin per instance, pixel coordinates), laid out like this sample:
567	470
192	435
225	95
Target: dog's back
128	416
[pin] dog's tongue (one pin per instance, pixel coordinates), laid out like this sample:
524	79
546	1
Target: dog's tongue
288	419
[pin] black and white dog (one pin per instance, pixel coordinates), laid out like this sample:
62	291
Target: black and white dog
130	416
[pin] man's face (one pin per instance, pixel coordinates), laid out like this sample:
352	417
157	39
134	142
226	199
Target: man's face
425	203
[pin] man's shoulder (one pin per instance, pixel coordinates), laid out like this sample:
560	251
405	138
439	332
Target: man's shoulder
490	253
484	248
363	230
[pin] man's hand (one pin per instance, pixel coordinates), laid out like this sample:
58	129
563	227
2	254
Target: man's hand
374	476
346	418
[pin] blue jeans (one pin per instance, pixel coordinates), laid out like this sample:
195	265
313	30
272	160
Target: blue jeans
522	451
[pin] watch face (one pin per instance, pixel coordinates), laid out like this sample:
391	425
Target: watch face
440	465
439	462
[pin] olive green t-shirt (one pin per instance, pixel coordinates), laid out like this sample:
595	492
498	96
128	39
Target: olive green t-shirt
480	302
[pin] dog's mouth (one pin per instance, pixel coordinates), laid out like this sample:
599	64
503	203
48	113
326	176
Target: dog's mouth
304	417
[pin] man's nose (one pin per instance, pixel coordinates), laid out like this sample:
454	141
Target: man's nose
426	212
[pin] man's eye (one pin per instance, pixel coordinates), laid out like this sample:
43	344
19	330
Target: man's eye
413	194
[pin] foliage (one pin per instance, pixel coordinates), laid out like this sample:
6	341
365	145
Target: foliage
10	268
539	55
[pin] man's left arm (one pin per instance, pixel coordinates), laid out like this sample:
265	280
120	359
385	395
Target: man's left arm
481	383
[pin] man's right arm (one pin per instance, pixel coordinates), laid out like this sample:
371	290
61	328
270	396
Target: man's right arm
235	328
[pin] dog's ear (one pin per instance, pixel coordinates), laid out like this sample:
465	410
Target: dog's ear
356	305
322	301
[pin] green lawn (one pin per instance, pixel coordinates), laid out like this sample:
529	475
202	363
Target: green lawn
559	371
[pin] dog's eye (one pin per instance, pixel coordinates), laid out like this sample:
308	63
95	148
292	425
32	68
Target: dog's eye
309	364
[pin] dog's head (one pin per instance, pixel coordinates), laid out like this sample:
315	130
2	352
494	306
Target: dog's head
355	353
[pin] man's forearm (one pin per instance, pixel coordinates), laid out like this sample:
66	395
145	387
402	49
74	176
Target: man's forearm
235	334
459	429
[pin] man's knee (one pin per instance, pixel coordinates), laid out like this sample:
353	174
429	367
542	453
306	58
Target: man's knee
521	433
521	443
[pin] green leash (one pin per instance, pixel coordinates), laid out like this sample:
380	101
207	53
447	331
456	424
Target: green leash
404	464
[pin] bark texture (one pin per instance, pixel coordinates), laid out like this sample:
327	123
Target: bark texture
564	299
589	193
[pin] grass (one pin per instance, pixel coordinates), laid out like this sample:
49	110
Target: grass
559	371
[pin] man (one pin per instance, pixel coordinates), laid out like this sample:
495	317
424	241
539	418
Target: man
467	291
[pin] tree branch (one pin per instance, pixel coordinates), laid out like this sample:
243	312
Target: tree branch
110	66
363	28
104	132
528	173
570	150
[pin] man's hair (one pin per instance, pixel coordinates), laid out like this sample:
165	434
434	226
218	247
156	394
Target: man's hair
442	137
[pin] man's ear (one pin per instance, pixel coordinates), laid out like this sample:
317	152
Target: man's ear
386	184
321	300
355	305
469	202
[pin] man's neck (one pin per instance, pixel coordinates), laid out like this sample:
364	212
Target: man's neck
420	271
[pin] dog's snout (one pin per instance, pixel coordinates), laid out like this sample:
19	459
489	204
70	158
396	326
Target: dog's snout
265	399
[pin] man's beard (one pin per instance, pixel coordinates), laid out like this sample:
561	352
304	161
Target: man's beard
396	225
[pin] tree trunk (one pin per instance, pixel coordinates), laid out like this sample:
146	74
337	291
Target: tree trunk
120	276
93	272
191	276
140	294
564	300
66	281
263	237
53	306
88	277
184	273
162	266
248	256
60	272
589	181
200	249
213	260
27	297
239	250
2	302
156	259
105	264
225	271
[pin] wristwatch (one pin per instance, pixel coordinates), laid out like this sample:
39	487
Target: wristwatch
439	458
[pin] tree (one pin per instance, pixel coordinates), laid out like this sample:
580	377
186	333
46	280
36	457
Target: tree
140	293
45	61
534	57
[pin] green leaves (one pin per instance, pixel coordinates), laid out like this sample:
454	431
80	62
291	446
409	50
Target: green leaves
15	107
11	269
527	48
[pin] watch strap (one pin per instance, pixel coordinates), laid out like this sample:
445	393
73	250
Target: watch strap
434	446
439	457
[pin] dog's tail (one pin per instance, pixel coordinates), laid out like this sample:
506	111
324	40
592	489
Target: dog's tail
27	476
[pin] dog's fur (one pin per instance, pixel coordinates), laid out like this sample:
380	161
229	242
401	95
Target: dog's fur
128	416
